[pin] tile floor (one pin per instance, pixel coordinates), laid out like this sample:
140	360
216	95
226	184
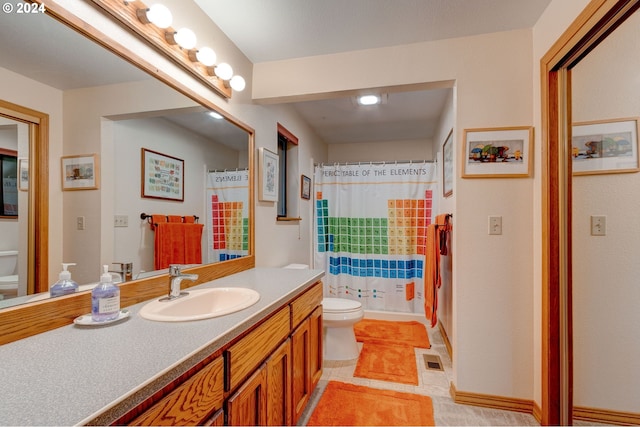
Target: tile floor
432	383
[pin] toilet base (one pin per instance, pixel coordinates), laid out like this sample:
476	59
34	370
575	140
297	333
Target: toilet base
340	343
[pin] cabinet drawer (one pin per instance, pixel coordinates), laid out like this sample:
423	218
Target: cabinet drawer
192	402
244	356
305	304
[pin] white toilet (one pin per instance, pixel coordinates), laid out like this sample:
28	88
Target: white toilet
338	317
8	278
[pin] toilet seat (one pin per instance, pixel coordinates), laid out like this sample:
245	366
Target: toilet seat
341	305
8	283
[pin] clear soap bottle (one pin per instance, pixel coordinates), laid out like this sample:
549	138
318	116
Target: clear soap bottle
64	285
105	298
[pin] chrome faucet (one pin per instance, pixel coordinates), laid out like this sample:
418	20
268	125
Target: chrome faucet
176	277
125	272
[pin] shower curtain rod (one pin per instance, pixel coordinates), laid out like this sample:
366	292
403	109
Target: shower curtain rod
394	162
227	170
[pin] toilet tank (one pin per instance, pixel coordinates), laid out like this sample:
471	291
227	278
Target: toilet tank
8	262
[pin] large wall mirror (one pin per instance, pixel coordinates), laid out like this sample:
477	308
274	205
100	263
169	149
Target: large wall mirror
104	115
590	371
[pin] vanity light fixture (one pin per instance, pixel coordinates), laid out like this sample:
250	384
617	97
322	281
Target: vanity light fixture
158	15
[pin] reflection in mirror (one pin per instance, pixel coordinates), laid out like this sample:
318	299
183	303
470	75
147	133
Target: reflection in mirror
605	88
101	105
14	152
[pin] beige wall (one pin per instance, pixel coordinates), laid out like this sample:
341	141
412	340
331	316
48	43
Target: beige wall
381	151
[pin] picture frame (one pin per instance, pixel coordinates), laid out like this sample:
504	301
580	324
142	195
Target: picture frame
605	146
162	176
305	187
267	175
447	166
80	172
23	174
505	152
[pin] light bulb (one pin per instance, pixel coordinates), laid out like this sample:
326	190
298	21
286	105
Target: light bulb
215	115
206	56
185	38
224	71
160	16
369	100
237	83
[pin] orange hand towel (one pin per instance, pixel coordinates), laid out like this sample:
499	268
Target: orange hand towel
157	219
174	218
178	243
190	219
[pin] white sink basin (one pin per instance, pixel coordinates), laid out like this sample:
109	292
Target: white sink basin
200	304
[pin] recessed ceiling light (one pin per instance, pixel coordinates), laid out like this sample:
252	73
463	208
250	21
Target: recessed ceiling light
215	115
369	100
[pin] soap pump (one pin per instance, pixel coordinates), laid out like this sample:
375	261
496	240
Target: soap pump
64	285
105	298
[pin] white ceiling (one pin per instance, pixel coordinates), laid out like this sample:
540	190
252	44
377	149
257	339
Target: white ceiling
279	29
283	29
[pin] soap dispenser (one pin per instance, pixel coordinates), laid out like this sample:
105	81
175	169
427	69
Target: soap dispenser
105	298
64	285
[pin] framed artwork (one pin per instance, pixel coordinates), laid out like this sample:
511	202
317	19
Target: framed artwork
305	187
267	175
497	152
23	174
608	146
447	165
162	176
80	172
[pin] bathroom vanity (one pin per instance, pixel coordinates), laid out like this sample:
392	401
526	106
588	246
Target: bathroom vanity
256	366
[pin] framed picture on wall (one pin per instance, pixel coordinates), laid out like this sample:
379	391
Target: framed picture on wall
305	187
608	146
267	175
447	166
80	172
497	152
162	176
23	174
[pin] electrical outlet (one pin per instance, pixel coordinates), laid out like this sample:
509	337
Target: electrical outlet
495	225
80	223
598	225
120	221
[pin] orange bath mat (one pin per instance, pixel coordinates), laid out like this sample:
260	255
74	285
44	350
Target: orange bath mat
396	363
343	404
391	332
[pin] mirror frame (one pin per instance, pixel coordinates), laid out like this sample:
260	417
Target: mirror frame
49	314
597	21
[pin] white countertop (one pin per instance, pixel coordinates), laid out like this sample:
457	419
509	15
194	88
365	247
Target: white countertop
92	375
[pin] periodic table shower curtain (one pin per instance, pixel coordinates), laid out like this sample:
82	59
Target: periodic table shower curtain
227	209
370	232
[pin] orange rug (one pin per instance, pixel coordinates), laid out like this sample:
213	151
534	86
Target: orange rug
343	404
396	363
391	332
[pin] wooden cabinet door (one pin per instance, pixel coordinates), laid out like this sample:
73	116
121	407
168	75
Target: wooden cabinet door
279	411
191	402
301	385
248	405
315	346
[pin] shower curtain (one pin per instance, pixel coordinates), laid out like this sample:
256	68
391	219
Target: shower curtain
227	215
370	232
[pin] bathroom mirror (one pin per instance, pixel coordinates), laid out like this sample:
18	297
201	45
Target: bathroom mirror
107	110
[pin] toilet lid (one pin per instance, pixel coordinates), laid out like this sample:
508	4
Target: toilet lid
340	304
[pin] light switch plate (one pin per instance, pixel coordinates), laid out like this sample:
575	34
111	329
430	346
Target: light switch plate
495	225
120	221
80	223
598	225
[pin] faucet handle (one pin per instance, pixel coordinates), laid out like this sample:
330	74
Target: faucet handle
174	269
